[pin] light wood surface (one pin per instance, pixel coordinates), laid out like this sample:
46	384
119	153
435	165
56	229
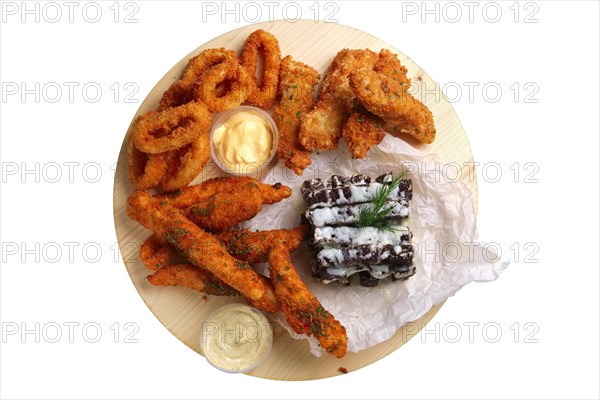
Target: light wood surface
182	310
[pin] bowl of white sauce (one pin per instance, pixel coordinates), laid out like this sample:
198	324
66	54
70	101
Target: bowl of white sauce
236	338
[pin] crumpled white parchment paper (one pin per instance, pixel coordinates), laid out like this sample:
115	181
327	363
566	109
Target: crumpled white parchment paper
442	219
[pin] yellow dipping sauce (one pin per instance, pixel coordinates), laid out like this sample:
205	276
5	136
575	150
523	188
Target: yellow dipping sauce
236	338
244	141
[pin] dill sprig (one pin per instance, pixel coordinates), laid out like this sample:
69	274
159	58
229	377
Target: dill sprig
376	216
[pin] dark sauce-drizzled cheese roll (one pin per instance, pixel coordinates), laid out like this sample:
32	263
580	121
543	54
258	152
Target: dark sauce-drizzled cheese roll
344	249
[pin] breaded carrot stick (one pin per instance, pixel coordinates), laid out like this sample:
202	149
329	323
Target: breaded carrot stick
254	247
201	192
226	209
201	248
302	309
155	252
190	276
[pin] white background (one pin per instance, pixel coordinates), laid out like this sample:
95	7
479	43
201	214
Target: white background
552	304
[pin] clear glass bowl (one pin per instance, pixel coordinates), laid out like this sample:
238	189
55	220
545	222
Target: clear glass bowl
252	169
236	338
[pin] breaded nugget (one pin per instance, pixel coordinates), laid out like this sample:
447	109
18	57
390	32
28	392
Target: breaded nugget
383	91
302	309
361	131
322	127
388	64
201	192
191	276
155	252
224	210
297	81
201	248
254	247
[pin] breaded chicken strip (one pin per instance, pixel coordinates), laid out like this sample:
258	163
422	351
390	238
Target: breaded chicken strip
302	309
254	247
201	248
383	91
201	192
322	127
226	209
296	84
388	64
363	129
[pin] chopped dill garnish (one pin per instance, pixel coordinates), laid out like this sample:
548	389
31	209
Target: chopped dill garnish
376	215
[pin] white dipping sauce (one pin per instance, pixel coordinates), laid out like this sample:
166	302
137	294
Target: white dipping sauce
236	337
244	141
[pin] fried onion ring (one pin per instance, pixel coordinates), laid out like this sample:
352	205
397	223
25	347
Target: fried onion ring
145	170
265	94
205	89
180	92
157	132
155	252
176	95
203	61
185	164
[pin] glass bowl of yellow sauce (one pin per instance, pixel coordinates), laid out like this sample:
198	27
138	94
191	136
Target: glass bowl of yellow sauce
236	338
243	140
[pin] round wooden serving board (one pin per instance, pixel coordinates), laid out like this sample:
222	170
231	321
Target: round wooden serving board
182	310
